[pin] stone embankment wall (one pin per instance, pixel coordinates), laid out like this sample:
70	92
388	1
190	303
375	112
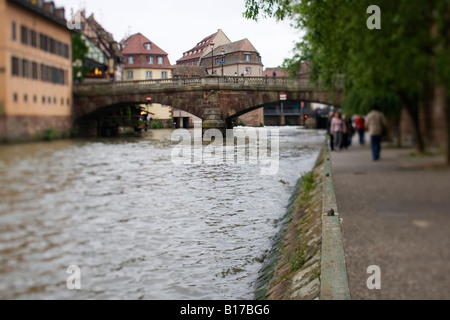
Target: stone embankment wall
307	260
292	269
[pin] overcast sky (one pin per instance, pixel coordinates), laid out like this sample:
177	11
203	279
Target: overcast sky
177	25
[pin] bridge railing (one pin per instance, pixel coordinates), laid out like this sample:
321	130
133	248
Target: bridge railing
237	81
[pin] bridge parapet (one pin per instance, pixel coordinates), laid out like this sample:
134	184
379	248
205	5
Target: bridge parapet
235	83
233	95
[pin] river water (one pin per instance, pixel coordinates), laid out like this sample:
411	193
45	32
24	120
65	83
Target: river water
135	225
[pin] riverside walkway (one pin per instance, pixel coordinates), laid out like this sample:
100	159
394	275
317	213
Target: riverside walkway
396	215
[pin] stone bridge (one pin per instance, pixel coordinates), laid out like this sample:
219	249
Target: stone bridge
216	100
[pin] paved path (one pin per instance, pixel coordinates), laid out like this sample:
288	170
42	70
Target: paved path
396	215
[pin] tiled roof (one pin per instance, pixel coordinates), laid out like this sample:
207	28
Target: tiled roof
197	51
104	36
46	9
135	46
279	72
188	71
99	29
238	46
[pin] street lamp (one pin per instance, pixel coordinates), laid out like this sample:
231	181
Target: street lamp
223	59
212	57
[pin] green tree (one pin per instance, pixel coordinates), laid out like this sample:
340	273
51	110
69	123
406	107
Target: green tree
405	58
79	51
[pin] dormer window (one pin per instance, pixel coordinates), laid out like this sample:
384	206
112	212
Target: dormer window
148	46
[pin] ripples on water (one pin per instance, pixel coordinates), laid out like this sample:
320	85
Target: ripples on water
138	226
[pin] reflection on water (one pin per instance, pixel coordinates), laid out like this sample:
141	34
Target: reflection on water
136	225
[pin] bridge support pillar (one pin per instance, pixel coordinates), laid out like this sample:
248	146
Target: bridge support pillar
212	119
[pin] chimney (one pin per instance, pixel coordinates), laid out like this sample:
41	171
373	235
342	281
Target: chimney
49	6
60	13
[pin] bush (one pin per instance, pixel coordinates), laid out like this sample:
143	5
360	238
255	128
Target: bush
156	124
50	134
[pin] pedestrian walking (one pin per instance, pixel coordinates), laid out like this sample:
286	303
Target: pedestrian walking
376	126
348	133
330	134
338	129
360	126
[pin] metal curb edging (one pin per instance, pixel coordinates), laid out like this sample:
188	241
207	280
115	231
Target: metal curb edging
334	280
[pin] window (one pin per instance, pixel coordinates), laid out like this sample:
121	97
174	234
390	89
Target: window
148	46
130	75
25	68
248	70
54	75
43	41
65	52
15	66
164	75
15	97
33	38
43	76
247	57
58	48
148	75
25	98
160	60
24	34
150	60
35	71
51	43
62	77
13	31
130	60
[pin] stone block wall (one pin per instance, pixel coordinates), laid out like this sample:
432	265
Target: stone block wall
22	128
253	118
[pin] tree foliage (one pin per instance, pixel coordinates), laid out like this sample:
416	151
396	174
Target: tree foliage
394	65
79	51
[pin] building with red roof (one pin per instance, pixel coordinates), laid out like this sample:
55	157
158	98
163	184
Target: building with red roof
144	60
235	58
194	56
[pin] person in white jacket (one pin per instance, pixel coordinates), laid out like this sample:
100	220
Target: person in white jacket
375	125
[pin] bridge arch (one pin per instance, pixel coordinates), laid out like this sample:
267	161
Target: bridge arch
89	105
215	99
